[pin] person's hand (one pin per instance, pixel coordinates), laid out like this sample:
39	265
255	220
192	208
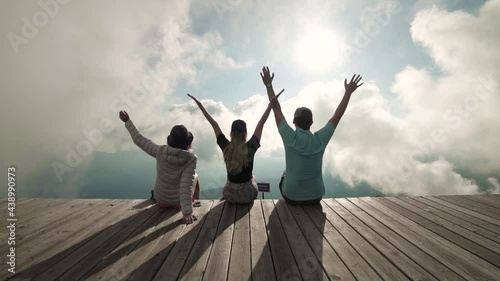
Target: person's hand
275	99
195	99
267	78
353	85
188	219
124	116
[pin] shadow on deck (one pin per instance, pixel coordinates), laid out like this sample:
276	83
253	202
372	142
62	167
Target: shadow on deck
383	238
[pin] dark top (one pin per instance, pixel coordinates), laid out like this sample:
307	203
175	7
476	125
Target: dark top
252	146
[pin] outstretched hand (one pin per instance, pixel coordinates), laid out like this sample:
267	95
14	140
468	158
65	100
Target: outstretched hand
266	76
353	84
124	116
195	99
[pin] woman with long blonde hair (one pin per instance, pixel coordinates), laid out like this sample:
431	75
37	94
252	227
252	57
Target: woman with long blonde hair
241	186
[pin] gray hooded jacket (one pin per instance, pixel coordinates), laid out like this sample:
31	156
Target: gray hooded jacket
175	170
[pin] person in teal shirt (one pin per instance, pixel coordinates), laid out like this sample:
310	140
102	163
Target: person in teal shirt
302	181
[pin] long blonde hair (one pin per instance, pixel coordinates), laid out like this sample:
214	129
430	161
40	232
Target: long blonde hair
236	153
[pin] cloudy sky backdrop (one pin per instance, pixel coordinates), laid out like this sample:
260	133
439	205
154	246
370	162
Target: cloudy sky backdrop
426	121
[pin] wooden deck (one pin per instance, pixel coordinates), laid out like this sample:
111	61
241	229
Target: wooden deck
390	238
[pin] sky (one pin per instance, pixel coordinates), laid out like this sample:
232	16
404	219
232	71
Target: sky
425	122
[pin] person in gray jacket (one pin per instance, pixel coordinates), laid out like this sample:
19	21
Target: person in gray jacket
176	183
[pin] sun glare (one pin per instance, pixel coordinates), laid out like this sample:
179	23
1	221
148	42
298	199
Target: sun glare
318	49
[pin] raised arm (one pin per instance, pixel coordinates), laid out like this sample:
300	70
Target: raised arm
142	142
207	115
263	119
349	89
267	78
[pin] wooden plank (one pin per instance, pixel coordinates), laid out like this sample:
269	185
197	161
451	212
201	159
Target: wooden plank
56	219
50	211
381	223
40	206
454	224
178	238
464	216
49	238
4	231
486	200
32	205
4	213
490	220
65	247
482	209
352	228
373	257
218	259
495	209
485	234
144	203
190	253
100	245
308	265
262	261
18	202
218	262
37	209
123	244
463	262
351	258
332	264
283	259
42	247
442	227
118	270
114	267
45	211
240	262
3	203
353	216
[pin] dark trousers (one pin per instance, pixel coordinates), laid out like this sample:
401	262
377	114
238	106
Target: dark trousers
293	202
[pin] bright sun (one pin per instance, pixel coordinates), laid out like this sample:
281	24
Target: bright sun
318	49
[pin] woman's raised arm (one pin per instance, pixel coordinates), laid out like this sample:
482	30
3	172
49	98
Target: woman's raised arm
207	115
263	119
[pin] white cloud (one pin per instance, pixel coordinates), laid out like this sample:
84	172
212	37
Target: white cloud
458	41
91	60
495	185
419	5
450	123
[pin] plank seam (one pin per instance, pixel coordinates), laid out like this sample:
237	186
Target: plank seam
348	242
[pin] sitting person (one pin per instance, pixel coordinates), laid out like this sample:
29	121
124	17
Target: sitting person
176	180
241	186
302	181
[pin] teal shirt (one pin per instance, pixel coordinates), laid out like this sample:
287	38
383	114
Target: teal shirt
304	159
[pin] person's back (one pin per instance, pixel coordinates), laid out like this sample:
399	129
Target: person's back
176	183
302	181
304	160
241	185
238	156
171	166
